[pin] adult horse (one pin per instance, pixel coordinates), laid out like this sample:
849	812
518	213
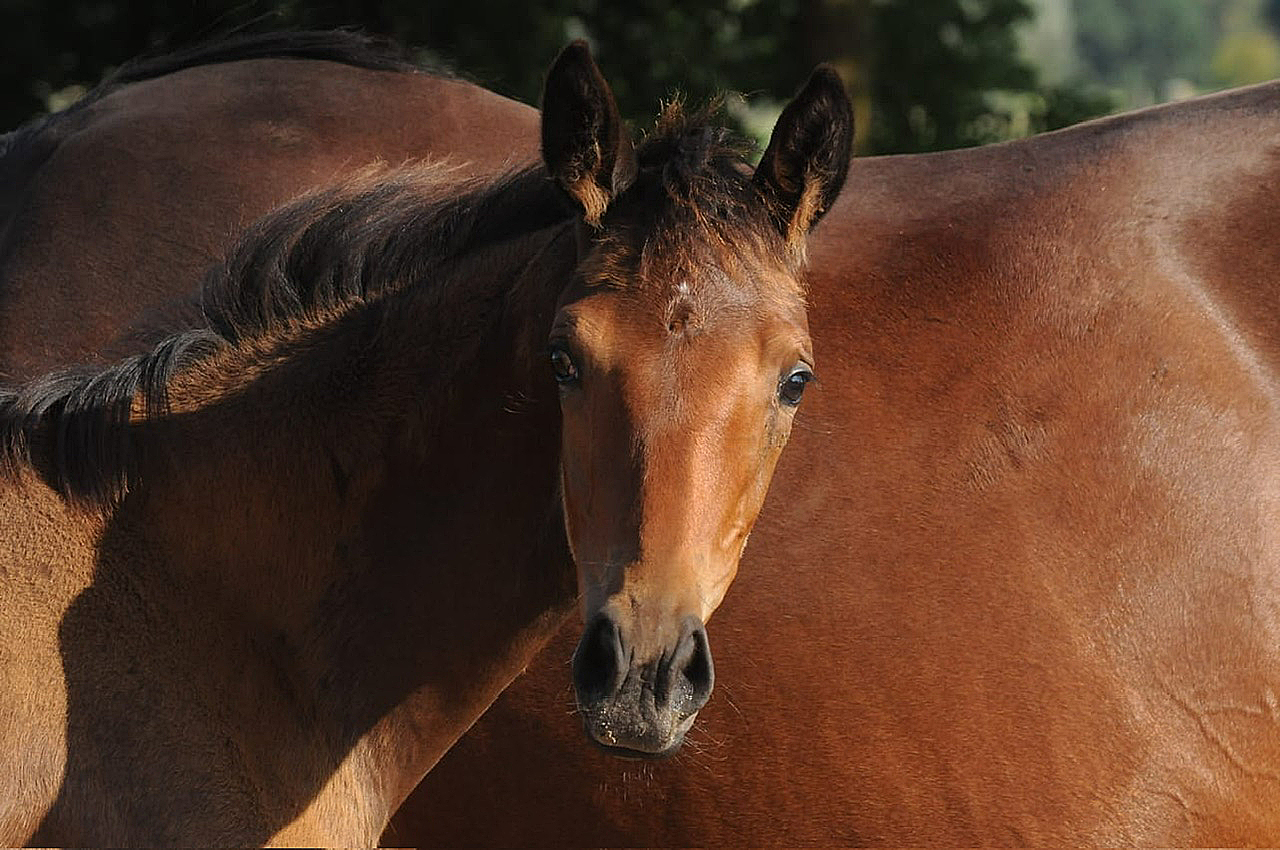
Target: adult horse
122	202
1014	582
251	585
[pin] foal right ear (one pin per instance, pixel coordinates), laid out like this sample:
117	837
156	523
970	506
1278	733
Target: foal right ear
584	143
803	169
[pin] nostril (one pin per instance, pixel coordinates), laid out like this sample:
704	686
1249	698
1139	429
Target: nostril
598	661
688	677
700	672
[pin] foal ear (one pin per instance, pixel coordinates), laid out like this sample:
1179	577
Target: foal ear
584	144
803	169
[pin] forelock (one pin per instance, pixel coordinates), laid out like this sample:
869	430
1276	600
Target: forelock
693	204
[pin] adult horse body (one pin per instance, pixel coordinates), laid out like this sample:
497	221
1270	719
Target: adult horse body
121	203
1014	582
250	582
1018	577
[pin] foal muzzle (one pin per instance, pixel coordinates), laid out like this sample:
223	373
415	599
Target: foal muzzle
640	707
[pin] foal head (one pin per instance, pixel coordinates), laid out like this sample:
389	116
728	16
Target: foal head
681	349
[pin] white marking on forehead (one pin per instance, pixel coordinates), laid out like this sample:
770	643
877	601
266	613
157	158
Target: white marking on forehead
683	288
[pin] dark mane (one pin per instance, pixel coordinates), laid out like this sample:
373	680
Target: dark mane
328	252
364	238
686	143
699	167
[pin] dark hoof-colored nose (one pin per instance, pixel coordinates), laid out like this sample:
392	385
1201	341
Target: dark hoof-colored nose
600	662
686	677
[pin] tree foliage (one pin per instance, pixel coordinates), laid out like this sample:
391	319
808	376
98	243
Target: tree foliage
958	54
1142	44
927	74
1151	50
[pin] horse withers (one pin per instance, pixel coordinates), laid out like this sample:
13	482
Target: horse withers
252	582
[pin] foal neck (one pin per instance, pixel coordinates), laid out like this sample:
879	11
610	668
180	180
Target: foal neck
367	537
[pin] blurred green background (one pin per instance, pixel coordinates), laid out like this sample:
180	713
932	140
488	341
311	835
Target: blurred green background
925	74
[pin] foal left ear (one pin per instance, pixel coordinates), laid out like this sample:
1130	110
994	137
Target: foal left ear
803	169
584	143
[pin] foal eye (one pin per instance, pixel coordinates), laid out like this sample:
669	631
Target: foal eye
562	366
792	387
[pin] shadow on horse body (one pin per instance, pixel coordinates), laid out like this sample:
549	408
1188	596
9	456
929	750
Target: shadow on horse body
118	205
258	579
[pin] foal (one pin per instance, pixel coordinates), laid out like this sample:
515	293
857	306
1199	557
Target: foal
255	582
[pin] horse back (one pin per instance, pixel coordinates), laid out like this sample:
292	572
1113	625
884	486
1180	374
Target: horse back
122	205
